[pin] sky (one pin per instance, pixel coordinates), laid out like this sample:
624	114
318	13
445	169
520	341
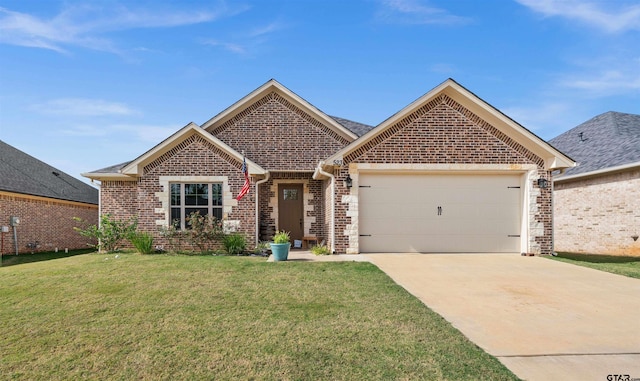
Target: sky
88	84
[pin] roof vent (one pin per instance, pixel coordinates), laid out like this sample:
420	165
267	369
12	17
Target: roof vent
55	173
582	138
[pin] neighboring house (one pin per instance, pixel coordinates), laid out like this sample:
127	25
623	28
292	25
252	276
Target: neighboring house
597	203
448	173
45	200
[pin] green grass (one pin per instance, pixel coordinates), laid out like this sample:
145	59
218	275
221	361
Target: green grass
622	265
195	317
12	260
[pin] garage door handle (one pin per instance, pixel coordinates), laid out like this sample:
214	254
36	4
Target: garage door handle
513	235
439	210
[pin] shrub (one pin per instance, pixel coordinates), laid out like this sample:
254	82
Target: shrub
262	248
143	242
234	243
203	231
320	250
110	233
281	237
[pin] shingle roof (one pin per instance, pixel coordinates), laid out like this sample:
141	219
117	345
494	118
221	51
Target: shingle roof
112	169
355	127
22	173
607	140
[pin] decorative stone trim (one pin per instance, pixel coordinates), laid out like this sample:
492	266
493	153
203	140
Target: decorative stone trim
228	202
307	203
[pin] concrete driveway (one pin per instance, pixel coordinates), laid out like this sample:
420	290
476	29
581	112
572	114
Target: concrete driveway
543	319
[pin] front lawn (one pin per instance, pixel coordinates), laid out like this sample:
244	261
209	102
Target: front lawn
627	266
177	317
12	259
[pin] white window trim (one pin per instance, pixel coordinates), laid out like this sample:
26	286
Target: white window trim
182	206
164	196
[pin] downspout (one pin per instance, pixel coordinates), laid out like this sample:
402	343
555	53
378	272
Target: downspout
99	185
553	221
15	238
332	229
257	206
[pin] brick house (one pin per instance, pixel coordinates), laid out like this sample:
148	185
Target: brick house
597	203
448	173
45	200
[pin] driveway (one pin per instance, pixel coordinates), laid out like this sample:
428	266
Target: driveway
543	319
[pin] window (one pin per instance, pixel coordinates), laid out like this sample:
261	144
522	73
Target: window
290	194
187	198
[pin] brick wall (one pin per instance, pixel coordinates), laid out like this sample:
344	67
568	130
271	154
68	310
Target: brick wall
193	157
119	198
598	215
278	136
47	222
444	132
196	157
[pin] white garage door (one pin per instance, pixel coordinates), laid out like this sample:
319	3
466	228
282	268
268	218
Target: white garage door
439	213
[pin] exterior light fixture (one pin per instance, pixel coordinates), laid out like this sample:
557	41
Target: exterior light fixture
542	183
348	182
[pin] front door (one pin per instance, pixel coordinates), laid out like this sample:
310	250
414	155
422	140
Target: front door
290	210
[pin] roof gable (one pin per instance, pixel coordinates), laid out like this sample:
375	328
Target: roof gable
22	173
553	159
605	141
134	168
273	86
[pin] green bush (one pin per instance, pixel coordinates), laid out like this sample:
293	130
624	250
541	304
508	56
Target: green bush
281	237
202	235
234	243
203	232
110	233
143	242
262	248
320	250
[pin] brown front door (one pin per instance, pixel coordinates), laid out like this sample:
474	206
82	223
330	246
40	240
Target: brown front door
290	210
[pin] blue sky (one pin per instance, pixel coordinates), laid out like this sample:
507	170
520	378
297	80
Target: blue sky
88	84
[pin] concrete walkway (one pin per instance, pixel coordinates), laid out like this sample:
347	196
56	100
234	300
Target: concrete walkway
543	319
307	256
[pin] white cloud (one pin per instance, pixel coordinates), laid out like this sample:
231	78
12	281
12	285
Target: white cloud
128	133
267	29
83	107
603	75
86	25
606	82
234	48
85	131
249	41
147	133
609	16
416	12
543	118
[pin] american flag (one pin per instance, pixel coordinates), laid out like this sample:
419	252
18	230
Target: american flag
247	181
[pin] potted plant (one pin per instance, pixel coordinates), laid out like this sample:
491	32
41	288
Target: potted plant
280	246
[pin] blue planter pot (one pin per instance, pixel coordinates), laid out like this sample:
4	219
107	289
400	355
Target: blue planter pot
280	251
